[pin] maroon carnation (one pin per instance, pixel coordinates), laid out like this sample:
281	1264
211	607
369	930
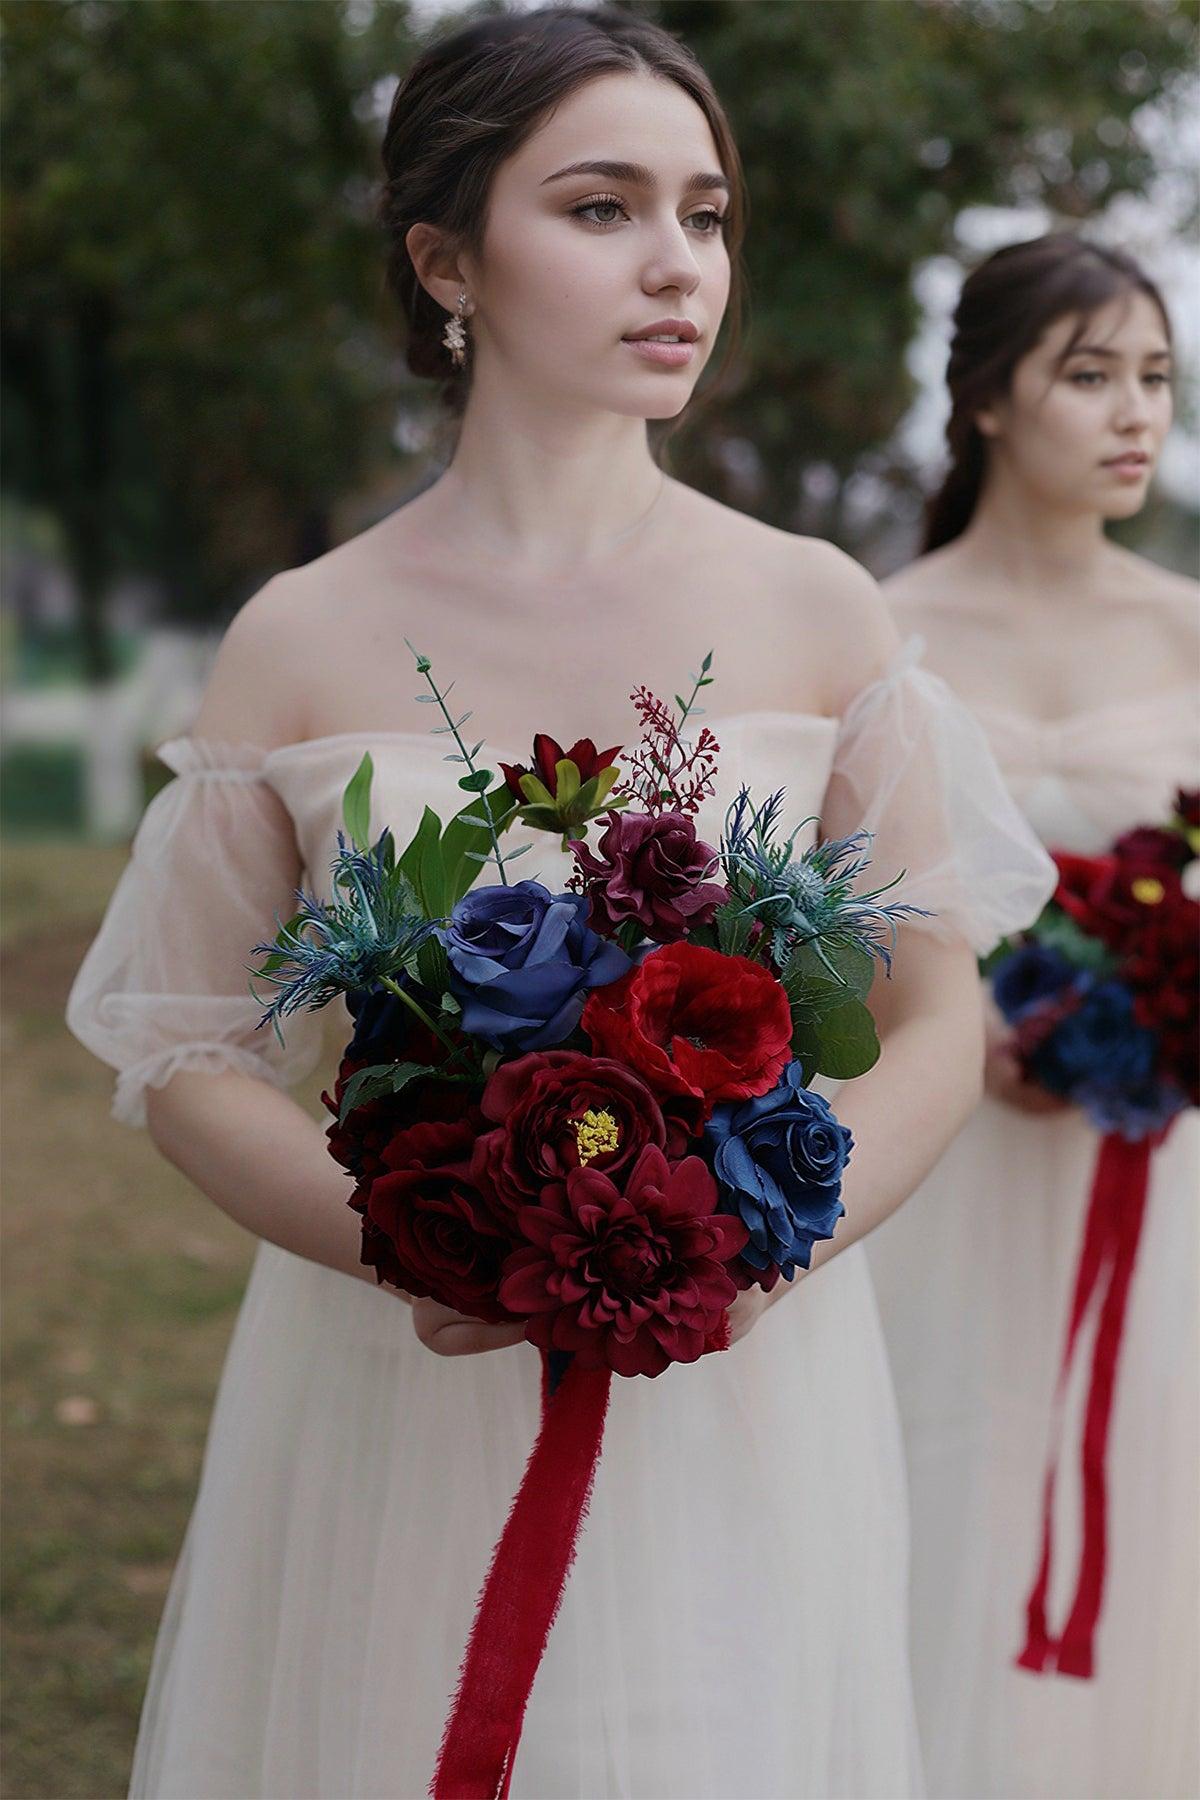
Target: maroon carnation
697	1026
1149	848
630	1277
547	754
429	1229
541	1104
1187	807
652	869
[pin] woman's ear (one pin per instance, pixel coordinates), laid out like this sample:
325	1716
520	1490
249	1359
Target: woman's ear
987	422
435	264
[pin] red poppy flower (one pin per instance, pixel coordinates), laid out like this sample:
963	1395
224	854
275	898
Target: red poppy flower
697	1026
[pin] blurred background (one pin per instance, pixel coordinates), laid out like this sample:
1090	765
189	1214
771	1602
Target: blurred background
202	384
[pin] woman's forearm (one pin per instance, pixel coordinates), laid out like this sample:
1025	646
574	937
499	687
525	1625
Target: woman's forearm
263	1160
926	1084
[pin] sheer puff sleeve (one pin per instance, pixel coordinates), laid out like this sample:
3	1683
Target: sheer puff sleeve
165	984
913	766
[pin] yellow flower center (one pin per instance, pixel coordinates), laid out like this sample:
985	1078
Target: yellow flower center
1148	890
596	1133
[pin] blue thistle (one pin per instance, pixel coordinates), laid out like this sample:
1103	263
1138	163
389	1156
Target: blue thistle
811	896
373	935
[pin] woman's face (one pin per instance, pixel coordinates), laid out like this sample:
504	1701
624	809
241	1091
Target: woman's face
1083	432
575	262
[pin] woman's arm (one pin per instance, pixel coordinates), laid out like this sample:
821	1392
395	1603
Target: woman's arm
263	1160
926	1084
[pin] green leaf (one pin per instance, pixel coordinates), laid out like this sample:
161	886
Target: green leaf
476	783
542	818
847	1042
566	774
465	833
356	804
536	791
432	967
379	1079
706	665
422	864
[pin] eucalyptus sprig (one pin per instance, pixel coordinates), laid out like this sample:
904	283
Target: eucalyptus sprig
477	780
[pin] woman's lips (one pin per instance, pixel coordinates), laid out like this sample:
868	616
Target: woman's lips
1130	468
668	356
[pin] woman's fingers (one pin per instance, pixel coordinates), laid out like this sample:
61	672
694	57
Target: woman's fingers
451	1333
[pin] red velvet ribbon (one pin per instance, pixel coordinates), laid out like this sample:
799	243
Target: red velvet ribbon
1105	1268
523	1590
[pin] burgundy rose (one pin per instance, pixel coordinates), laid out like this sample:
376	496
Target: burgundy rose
1187	807
547	754
428	1227
358	1143
698	1027
558	1110
652	869
628	1276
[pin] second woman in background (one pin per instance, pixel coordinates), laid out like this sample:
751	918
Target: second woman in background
1080	659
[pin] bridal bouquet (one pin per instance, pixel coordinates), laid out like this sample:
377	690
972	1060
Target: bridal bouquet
1103	995
589	1111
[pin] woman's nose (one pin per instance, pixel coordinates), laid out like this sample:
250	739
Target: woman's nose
672	264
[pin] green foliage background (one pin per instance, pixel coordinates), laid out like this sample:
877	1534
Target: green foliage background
200	362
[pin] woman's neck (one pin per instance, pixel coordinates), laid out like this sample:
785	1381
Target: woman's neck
1034	548
547	492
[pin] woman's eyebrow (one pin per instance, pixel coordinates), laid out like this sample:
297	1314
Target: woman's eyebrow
637	175
1113	355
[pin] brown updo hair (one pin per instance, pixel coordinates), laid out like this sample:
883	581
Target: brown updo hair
1005	307
471	99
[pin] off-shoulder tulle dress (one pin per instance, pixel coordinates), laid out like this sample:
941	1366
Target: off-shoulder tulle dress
735	1623
989	1244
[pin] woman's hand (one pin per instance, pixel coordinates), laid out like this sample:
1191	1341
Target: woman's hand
746	1311
452	1333
1003	1076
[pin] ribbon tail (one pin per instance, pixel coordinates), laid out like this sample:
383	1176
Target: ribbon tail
1126	1169
1106	1258
523	1590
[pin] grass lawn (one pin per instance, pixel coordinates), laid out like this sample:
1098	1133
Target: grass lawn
121	1283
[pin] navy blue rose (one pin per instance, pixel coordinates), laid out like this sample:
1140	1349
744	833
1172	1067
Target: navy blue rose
1137	1111
1098	1043
1028	977
384	1028
522	963
778	1159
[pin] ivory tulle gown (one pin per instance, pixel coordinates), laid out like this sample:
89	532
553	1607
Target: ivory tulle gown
974	1277
735	1622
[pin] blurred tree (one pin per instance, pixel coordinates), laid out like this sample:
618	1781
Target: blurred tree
197	340
866	126
194	366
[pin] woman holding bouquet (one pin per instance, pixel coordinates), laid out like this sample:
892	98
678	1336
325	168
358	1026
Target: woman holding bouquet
564	207
1080	660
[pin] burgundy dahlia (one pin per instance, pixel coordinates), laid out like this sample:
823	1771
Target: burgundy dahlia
630	1276
653	869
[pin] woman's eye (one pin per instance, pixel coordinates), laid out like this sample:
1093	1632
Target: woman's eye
1157	378
1088	377
592	206
713	219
